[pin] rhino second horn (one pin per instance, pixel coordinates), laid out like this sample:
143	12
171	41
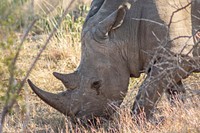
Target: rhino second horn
59	101
70	81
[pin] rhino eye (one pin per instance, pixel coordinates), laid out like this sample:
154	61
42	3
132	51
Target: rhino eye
96	85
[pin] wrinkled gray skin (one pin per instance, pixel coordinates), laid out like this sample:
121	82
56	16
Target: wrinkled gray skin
119	42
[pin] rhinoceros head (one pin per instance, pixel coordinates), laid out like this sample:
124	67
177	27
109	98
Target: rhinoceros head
102	76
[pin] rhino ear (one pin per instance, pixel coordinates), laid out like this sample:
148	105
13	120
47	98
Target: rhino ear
113	21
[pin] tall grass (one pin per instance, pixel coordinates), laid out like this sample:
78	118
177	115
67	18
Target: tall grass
30	114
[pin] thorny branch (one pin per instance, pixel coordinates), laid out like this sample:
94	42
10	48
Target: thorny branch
179	9
8	105
166	73
149	20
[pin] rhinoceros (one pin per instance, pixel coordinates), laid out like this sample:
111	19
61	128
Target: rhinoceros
122	39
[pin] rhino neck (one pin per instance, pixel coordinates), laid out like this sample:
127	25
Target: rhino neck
141	39
134	42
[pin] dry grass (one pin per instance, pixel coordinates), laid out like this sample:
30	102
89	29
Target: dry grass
31	114
38	117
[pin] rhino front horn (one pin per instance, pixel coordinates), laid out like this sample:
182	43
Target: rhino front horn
70	81
60	102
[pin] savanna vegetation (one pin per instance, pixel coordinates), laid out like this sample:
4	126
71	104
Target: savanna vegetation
62	54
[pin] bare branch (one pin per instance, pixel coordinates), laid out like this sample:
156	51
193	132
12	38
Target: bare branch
8	106
184	7
148	20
